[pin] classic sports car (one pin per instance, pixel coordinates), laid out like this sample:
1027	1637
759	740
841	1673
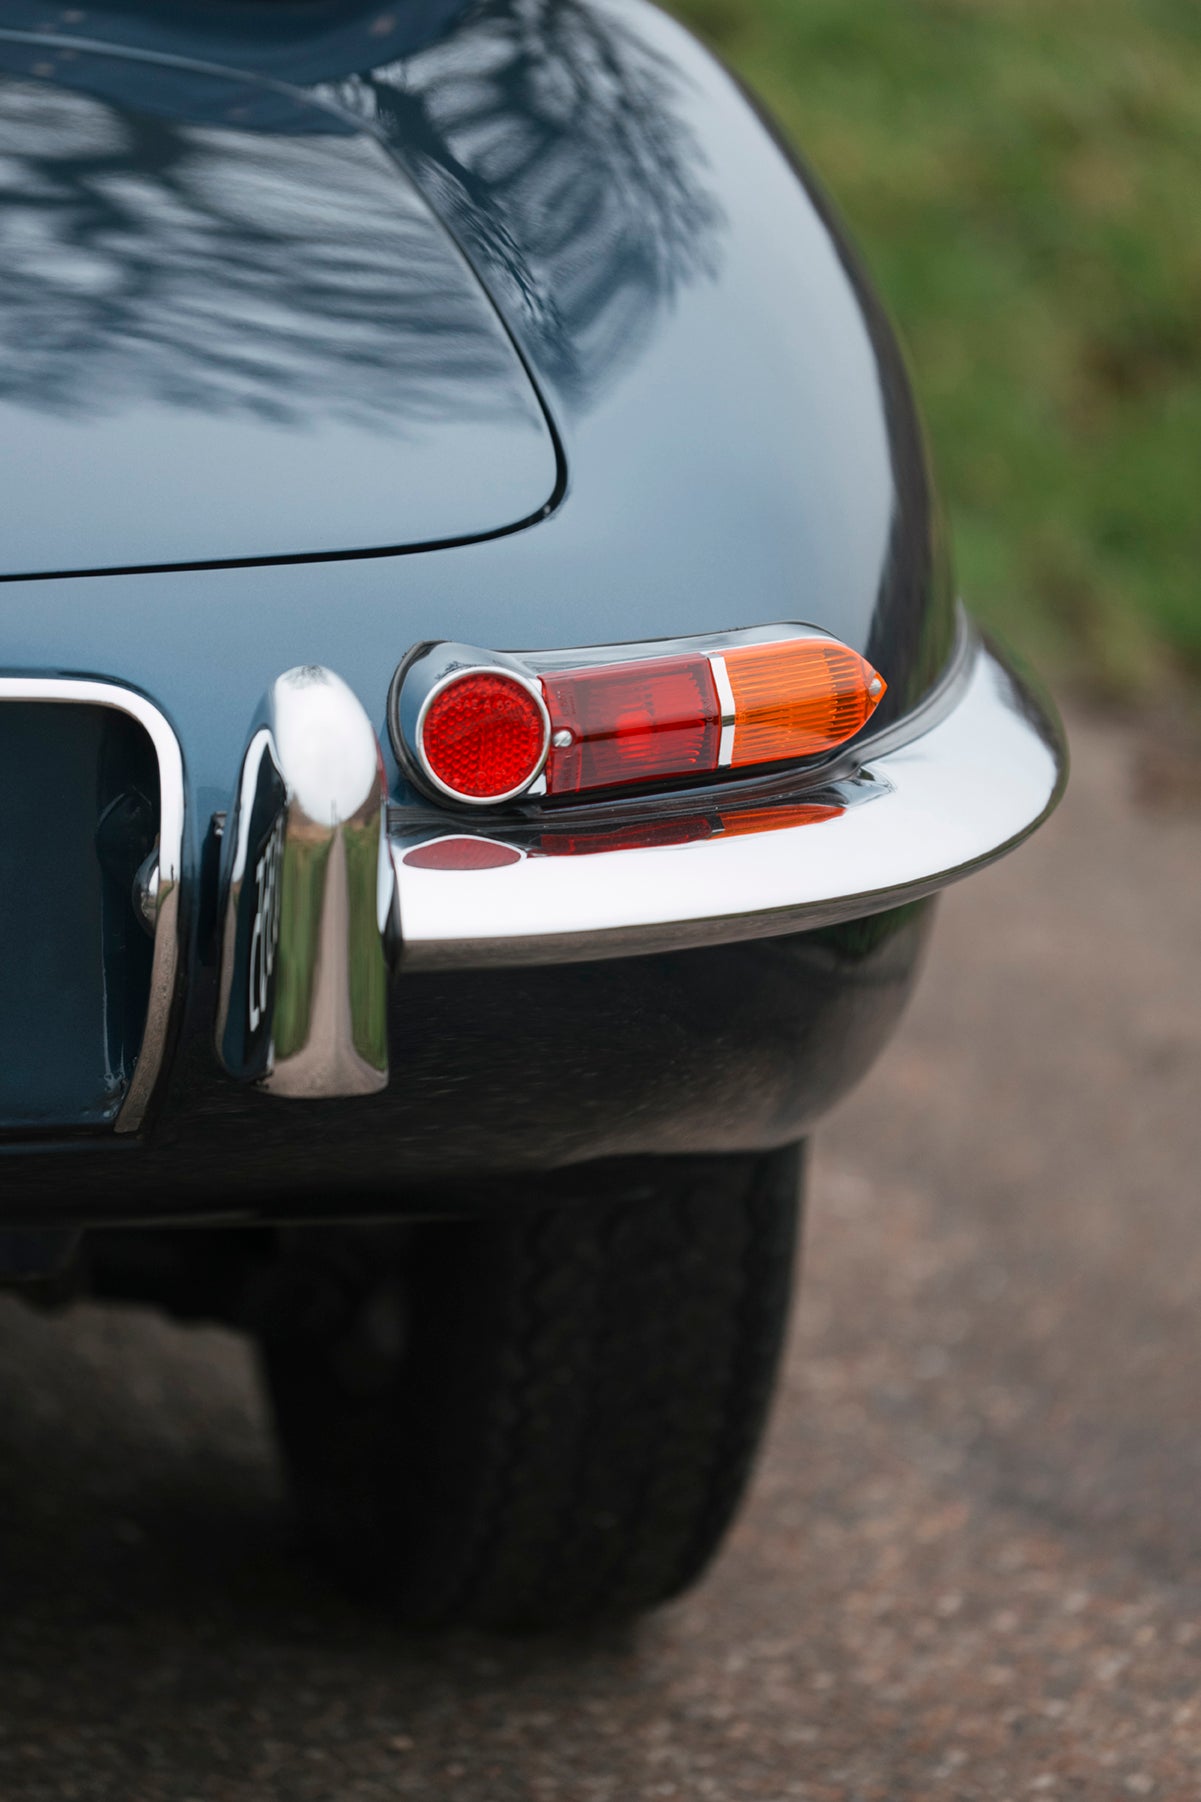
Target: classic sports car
486	711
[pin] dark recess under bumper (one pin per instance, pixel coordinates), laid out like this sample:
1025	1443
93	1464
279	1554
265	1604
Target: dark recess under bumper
504	1078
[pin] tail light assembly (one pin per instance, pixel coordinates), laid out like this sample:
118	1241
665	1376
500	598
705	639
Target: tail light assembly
483	728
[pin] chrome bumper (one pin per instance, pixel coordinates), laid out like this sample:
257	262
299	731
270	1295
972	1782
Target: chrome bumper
318	888
919	813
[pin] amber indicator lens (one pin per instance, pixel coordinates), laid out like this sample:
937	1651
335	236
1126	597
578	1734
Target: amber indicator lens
483	736
631	722
797	698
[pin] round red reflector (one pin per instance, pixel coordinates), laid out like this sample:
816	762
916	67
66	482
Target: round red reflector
484	736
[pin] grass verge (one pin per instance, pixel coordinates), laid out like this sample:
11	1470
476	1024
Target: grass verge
1025	180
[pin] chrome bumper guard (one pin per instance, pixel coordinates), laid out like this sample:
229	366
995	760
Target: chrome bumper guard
316	890
920	811
306	891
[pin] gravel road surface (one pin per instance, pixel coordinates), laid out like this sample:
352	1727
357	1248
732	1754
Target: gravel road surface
971	1562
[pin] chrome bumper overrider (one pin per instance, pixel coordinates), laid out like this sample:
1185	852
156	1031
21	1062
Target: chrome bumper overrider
305	895
917	815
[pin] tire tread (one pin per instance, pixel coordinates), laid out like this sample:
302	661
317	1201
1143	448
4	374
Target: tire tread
575	1422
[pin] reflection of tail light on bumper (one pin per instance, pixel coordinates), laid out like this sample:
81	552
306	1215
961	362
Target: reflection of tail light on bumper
459	853
641	836
786	816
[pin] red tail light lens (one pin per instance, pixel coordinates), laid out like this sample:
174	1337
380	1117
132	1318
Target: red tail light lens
483	735
631	722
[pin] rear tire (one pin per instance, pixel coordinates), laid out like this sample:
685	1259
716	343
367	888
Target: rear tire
543	1419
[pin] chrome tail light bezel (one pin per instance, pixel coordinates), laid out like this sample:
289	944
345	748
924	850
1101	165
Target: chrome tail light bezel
429	668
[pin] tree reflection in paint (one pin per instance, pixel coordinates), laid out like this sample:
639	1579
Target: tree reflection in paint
550	134
171	234
287	277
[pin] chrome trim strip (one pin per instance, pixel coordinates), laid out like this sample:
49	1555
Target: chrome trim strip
976	781
306	897
165	963
636	650
725	700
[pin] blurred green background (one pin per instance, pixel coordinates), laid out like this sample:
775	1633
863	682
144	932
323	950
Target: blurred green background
1024	177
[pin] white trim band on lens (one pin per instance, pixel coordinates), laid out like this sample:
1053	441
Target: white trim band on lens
725	700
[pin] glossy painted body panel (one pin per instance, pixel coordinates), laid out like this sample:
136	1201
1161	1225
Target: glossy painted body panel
227	343
739	445
739	436
292	42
